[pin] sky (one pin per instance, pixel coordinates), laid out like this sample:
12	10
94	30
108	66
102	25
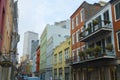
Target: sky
35	14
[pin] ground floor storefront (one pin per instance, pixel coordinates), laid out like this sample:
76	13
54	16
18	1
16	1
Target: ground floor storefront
62	73
103	69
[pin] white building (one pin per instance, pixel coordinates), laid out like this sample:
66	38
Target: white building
52	36
28	37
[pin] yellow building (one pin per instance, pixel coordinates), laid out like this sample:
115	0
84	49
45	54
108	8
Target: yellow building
61	62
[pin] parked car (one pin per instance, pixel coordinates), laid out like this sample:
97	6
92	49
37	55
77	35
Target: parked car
33	78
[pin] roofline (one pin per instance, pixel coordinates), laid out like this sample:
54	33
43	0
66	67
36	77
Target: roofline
78	8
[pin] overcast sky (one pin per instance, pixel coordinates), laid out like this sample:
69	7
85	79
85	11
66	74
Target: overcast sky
35	14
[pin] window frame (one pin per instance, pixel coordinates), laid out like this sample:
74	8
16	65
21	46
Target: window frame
82	17
73	23
115	11
118	40
77	19
73	39
77	35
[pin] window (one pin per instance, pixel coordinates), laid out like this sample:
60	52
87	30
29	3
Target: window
55	59
106	15
82	15
117	11
77	21
118	37
78	50
60	57
73	38
72	23
77	35
67	53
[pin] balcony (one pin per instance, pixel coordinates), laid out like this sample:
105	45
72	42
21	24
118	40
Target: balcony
92	56
95	31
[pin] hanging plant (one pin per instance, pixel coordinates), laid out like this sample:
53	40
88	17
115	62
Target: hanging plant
95	22
109	47
97	49
81	53
89	51
106	22
81	34
87	29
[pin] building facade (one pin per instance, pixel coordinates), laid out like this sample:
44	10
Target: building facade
116	23
38	61
61	63
2	19
28	37
8	25
51	37
34	45
77	24
78	19
2	25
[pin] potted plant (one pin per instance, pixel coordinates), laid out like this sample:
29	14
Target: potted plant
109	47
89	51
97	49
88	28
82	55
95	22
106	22
81	34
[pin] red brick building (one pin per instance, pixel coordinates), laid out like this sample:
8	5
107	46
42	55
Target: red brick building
2	19
38	60
116	24
78	18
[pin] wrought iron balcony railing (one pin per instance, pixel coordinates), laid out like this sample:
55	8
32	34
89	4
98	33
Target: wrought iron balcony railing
92	56
95	30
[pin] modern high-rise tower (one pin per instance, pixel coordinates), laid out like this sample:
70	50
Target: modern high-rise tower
28	37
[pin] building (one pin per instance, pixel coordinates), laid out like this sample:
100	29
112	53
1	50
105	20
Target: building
2	25
51	37
9	38
116	23
14	41
77	24
78	19
33	66
28	37
34	45
2	19
61	63
38	61
98	59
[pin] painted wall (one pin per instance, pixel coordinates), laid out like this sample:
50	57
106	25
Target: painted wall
116	24
57	65
2	19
